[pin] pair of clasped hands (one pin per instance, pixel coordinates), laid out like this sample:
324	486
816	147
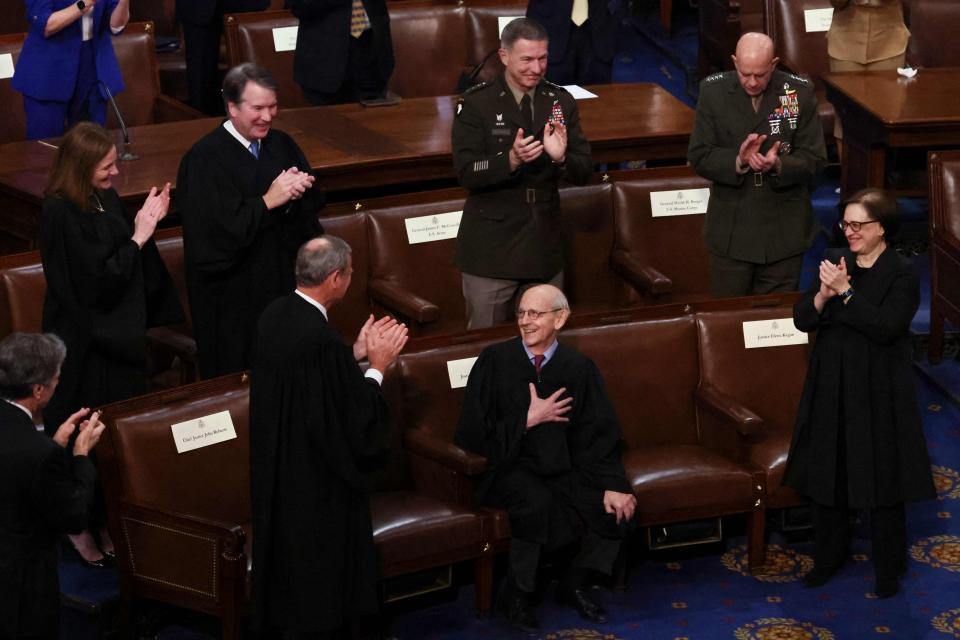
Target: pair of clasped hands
750	155
291	184
526	148
553	409
834	278
380	342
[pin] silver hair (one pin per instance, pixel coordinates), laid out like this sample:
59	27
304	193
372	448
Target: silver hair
27	359
320	257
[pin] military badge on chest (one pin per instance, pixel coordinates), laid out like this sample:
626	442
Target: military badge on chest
556	113
787	112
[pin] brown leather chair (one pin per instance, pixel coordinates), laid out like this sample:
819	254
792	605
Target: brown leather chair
483	33
175	341
663	257
800	52
13	124
22	289
429	46
944	246
722	22
351	312
767	382
250	39
163	14
13	18
933	25
182	521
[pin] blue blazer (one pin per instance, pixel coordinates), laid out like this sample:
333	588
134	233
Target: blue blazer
47	68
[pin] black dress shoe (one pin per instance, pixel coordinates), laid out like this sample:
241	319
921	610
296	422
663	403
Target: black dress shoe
581	601
820	575
517	609
886	588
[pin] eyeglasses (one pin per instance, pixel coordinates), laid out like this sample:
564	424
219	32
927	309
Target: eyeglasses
533	314
854	224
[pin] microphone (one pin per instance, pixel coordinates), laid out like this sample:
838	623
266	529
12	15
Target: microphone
126	155
470	79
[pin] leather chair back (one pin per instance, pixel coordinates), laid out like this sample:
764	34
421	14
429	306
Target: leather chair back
801	52
137	55
250	39
934	24
588	226
170	244
429	45
13	18
425	269
654	403
945	198
163	13
13	124
944	173
483	32
768	381
671	244
22	290
351	312
145	465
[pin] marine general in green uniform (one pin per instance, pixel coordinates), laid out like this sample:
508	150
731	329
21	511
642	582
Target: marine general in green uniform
513	140
758	137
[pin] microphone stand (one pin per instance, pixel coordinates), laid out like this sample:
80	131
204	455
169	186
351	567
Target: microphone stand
125	154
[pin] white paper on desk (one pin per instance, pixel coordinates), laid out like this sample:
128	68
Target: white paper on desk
503	21
579	92
285	38
684	202
203	432
817	20
772	333
6	66
459	371
441	226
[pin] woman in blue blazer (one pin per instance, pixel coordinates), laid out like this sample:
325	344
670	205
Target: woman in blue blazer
66	60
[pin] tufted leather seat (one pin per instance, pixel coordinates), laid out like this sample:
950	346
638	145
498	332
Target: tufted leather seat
933	25
944	246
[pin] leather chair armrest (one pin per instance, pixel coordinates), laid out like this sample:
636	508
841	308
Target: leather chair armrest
746	422
641	276
422	442
173	341
230	535
168	109
403	301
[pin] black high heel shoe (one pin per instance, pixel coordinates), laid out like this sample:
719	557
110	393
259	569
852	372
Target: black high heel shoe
102	563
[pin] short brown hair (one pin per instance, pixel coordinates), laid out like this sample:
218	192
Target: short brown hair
880	206
81	150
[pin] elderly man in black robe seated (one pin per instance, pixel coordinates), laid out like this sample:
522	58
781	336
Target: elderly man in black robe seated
538	411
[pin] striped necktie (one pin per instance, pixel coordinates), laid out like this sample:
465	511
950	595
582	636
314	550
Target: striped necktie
359	21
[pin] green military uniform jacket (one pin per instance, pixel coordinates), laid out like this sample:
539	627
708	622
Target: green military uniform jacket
511	220
758	218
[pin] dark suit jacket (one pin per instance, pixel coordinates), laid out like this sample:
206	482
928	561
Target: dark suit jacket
203	11
554	15
323	41
44	491
511	220
773	220
48	67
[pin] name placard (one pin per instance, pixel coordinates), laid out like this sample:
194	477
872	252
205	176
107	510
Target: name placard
6	66
679	203
579	93
441	226
818	19
503	21
772	333
203	432
459	371
285	38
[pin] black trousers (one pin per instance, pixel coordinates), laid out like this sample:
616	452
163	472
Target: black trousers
547	514
202	52
731	278
362	79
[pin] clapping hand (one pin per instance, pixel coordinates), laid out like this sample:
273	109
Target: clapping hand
291	184
555	141
154	209
750	155
378	326
383	346
525	149
833	278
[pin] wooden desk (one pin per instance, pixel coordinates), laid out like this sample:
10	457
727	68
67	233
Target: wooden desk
352	147
882	111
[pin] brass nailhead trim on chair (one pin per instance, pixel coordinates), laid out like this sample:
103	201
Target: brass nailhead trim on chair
213	542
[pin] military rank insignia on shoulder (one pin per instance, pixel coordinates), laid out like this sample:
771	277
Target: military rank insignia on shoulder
476	88
459	105
714	78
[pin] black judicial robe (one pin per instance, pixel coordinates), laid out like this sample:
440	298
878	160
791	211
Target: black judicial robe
238	255
44	492
318	429
103	292
860	385
581	457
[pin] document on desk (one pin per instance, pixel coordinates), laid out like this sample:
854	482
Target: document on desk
285	39
459	371
440	226
6	66
683	202
779	332
203	432
818	20
578	92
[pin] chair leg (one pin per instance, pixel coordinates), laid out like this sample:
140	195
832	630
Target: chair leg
620	565
233	624
935	345
756	540
483	581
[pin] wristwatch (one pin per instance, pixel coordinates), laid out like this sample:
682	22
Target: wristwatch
846	295
81	5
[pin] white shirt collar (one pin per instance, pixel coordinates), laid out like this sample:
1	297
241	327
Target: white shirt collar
322	308
22	408
232	130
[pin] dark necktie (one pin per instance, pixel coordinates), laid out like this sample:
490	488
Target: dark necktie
538	362
526	110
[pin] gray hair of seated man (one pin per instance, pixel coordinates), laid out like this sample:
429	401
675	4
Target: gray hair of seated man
237	78
27	359
318	258
522	28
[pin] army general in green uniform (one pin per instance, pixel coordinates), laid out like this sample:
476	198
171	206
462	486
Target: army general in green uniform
758	137
513	140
